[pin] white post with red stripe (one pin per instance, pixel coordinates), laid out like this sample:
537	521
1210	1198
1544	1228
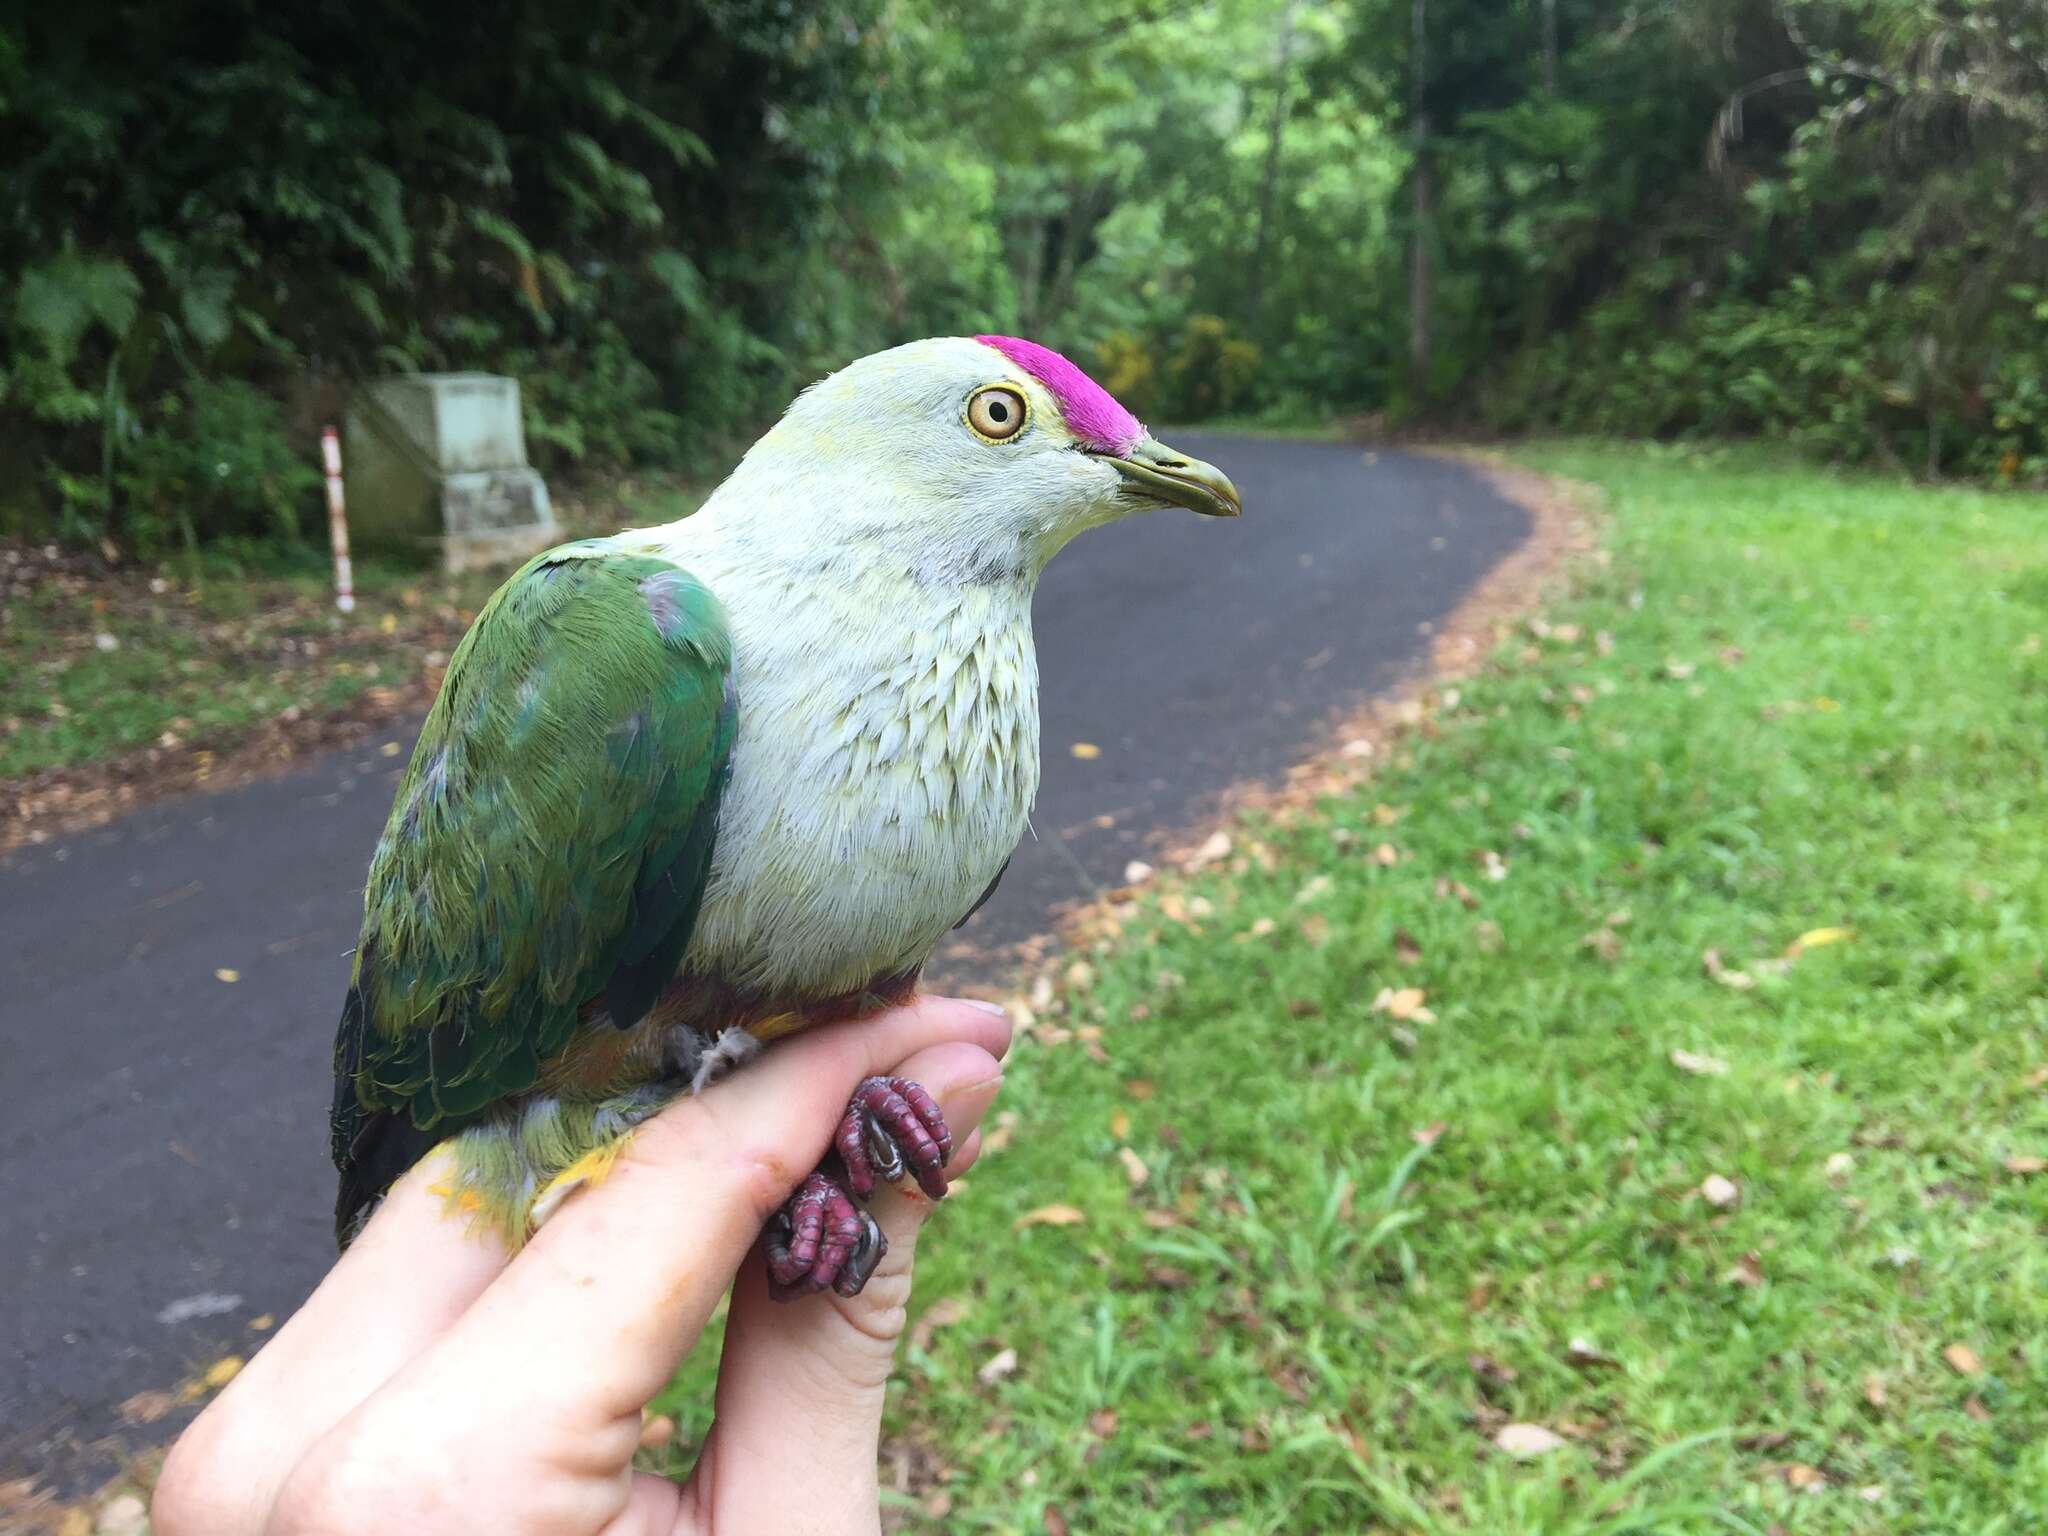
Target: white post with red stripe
337	522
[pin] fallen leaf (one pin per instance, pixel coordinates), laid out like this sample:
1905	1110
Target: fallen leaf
1161	1221
1803	1478
1102	1422
1262	927
1582	1351
1523	1441
1748	1270
996	1367
1874	1391
228	974
1840	1165
1140	1088
1168	1277
1710	962
2026	1165
1962	1360
1134	1167
1486	1368
1487	937
943	1313
1119	1124
658	1429
1699	1065
1817	938
221	1372
1403	1003
1314	890
1055	1522
1050	1216
1718	1192
1603	944
1087	751
1428	1135
124	1516
1406	950
1217	847
1137	872
1386	855
1973	1405
147	1407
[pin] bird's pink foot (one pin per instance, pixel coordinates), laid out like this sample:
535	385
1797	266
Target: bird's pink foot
821	1238
892	1126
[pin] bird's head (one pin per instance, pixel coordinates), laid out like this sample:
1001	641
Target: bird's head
976	453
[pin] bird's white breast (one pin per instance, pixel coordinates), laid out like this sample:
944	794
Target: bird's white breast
885	766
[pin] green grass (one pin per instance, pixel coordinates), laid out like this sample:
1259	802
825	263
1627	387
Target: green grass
1784	702
92	668
96	666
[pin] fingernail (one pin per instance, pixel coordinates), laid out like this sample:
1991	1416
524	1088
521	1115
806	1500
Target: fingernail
986	1007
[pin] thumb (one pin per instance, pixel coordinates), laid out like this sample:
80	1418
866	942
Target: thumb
813	1373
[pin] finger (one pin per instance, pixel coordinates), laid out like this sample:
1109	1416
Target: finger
409	1275
813	1374
592	1318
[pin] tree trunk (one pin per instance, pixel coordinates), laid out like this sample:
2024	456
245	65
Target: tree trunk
1420	278
1032	247
1255	285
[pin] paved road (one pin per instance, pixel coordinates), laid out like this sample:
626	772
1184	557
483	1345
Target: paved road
163	1169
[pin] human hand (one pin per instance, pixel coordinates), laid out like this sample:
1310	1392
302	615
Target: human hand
432	1384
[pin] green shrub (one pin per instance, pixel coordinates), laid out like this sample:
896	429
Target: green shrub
217	457
1125	367
1209	372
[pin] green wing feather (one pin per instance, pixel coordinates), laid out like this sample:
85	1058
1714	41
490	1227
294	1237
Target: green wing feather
549	845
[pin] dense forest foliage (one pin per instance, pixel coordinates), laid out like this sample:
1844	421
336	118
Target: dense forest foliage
1821	220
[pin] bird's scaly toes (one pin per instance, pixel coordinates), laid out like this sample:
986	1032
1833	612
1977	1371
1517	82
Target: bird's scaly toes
821	1238
891	1126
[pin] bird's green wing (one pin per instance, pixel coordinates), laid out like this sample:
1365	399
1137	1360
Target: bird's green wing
549	845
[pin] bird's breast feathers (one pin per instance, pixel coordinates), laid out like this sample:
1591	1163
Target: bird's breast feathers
884	770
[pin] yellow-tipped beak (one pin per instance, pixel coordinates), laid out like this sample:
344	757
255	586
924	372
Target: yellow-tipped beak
1156	472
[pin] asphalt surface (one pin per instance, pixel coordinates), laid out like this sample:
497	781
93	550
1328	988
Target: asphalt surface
163	1170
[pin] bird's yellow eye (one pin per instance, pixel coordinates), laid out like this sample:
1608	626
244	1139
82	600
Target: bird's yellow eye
996	412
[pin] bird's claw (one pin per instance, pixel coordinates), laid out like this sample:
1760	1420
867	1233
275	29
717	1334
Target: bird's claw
820	1237
892	1125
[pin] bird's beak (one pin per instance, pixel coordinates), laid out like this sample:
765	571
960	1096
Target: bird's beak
1156	472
